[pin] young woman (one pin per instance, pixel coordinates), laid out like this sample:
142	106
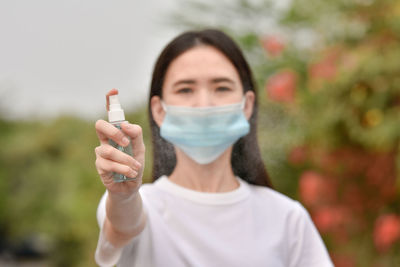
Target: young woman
211	202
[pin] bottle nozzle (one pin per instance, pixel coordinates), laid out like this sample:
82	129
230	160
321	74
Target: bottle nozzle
114	100
115	113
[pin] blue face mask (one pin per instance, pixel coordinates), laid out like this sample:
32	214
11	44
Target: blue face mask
204	133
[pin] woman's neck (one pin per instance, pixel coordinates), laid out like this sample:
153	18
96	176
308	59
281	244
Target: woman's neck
216	176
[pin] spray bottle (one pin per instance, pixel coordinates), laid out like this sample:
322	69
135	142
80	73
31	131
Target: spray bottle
116	116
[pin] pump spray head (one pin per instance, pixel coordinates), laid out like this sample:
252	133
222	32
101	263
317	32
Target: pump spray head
115	113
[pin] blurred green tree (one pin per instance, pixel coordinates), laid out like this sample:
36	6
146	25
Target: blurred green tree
49	187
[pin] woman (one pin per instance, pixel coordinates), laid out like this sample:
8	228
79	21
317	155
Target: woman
211	203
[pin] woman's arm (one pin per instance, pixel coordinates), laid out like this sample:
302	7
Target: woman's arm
116	230
125	219
124	215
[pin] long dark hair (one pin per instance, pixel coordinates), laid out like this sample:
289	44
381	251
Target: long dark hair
246	158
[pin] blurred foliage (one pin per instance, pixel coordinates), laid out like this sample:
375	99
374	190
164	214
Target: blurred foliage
49	187
329	121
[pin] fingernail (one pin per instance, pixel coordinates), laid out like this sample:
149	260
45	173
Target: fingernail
125	141
137	165
133	174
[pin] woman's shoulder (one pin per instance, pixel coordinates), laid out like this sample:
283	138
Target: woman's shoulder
152	192
148	189
270	197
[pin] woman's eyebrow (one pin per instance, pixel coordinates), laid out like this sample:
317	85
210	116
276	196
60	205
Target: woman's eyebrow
222	79
214	80
184	82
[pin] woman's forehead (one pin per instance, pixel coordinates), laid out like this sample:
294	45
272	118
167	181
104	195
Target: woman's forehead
201	62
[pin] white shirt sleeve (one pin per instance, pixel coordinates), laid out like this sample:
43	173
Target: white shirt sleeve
101	210
106	254
306	247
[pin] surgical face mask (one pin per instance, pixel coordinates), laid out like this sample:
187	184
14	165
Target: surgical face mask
204	133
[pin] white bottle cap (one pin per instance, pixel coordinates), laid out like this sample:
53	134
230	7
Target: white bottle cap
115	113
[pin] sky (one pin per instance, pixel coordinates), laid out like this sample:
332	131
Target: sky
61	57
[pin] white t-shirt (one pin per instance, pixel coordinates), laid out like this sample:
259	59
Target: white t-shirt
249	226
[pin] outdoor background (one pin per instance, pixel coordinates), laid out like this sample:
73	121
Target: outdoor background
328	75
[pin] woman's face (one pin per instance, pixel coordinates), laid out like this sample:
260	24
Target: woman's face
201	76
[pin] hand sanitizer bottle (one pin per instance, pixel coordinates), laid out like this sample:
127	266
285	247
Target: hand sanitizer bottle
116	116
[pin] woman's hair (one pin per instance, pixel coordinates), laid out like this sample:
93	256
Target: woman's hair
246	158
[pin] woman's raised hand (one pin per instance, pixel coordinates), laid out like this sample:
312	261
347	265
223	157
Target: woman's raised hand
110	159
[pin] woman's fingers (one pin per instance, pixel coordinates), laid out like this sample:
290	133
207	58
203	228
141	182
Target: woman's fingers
108	152
105	167
106	131
134	131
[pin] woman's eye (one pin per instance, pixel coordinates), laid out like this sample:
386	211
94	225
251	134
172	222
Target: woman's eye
184	91
223	89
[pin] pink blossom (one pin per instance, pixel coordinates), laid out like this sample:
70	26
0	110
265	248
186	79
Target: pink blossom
273	45
298	155
328	219
310	186
316	189
386	231
327	67
281	86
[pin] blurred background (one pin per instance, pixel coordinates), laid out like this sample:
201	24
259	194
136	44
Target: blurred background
328	75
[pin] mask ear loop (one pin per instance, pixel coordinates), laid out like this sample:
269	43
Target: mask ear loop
164	106
243	102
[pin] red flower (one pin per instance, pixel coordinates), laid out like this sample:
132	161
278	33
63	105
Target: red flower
281	86
298	155
329	219
273	45
327	67
310	186
386	231
324	70
316	189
